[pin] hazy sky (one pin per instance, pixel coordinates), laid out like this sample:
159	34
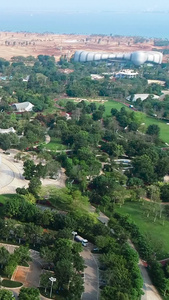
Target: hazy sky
90	5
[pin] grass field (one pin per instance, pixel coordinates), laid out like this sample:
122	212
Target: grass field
164	128
108	105
112	104
156	233
55	144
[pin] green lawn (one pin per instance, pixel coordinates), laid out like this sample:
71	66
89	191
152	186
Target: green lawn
55	144
156	233
164	128
108	105
112	104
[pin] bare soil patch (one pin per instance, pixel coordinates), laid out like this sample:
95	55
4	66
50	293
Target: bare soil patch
20	274
25	44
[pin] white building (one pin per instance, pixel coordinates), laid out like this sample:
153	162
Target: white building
138	58
9	130
96	77
126	74
141	96
26	79
22	107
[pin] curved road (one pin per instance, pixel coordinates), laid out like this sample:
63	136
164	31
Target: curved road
150	292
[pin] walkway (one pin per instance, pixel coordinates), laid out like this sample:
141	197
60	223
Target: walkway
91	275
149	200
150	292
11	175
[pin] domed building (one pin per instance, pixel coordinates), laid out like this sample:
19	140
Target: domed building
138	58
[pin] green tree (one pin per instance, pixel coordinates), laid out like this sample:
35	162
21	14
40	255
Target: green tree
29	294
153	130
97	115
19	232
6	295
34	186
76	287
63	272
78	262
164	192
70	106
22	255
143	168
29	169
4	257
10	267
44	280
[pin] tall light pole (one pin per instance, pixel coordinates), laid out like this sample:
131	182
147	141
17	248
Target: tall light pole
52	279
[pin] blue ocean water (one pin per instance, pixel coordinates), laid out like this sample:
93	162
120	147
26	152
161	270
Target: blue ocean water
129	24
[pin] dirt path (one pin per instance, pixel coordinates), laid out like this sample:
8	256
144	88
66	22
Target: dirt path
149	200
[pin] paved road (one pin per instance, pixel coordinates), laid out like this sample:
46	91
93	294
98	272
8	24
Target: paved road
150	292
11	175
91	276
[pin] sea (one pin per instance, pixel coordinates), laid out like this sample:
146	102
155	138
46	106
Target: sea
145	24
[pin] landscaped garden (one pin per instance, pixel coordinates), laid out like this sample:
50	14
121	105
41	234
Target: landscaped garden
155	232
55	144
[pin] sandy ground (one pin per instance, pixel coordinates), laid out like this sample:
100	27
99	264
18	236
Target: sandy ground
25	44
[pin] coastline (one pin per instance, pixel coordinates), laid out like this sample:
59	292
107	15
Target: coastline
132	23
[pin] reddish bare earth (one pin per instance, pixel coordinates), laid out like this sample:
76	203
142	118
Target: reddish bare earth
25	44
